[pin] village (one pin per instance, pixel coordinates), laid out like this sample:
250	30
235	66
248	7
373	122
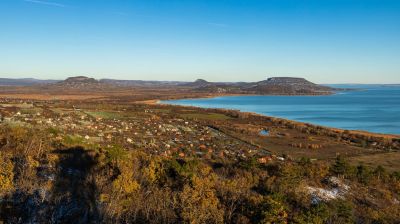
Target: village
174	131
140	129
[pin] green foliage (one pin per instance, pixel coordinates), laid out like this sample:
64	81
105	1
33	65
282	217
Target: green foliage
363	174
31	111
340	166
396	175
104	114
343	212
380	172
274	210
304	161
73	140
317	214
250	163
116	153
53	131
184	168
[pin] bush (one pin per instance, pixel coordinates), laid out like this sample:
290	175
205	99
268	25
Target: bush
6	174
340	167
116	153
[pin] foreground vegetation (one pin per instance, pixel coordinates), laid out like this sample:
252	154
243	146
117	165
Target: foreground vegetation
45	179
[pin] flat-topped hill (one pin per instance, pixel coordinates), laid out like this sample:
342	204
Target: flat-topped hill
288	86
287	81
79	79
270	86
81	83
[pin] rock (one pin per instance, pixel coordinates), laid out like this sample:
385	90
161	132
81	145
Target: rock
337	183
337	190
320	194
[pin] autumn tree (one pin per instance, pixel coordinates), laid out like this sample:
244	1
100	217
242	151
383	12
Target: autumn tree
6	174
199	203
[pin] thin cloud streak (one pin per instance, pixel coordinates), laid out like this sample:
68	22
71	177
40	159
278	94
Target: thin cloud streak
46	3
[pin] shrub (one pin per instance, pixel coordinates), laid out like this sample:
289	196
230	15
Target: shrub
340	167
6	174
116	153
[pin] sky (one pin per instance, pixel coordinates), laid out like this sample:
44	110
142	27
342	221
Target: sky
325	41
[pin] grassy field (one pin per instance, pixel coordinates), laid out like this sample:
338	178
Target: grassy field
389	160
31	110
210	116
104	114
19	105
162	110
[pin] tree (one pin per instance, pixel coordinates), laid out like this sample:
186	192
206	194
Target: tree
363	174
340	167
317	214
344	212
275	211
232	193
6	174
199	203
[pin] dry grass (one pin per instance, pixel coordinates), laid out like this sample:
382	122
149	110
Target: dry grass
50	96
389	160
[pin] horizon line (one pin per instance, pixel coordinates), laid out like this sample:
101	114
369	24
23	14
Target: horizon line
158	80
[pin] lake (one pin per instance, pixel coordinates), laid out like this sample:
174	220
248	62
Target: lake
373	108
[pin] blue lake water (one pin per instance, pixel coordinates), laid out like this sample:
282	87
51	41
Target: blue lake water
373	108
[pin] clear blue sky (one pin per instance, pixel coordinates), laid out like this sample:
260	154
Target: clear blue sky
326	41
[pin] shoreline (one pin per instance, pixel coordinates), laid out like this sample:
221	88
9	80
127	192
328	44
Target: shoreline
337	130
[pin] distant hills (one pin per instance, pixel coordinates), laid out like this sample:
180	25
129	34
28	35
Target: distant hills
80	83
270	86
24	82
139	83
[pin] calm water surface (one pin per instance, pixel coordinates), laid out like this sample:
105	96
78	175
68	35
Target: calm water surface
371	108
